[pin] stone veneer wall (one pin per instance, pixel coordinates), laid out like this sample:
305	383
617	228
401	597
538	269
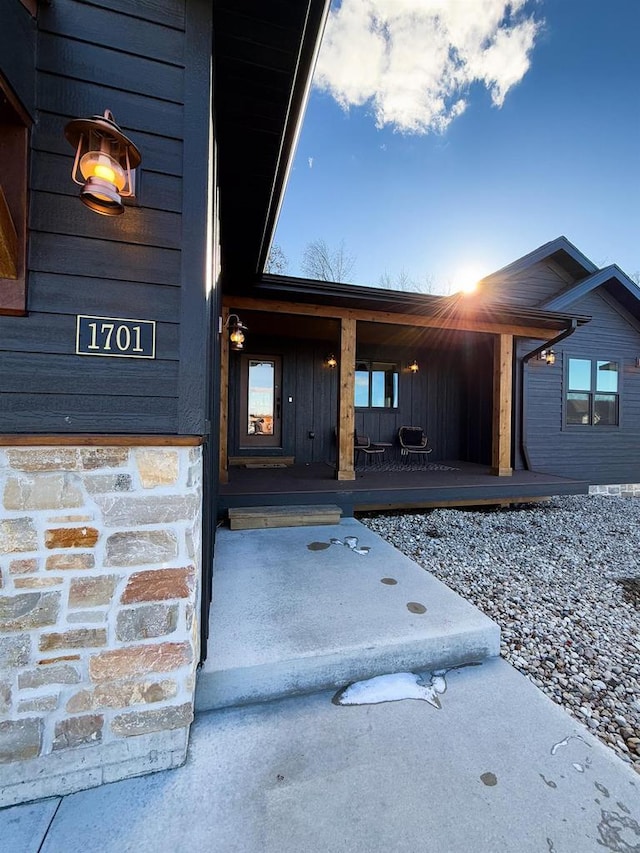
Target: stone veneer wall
622	490
99	608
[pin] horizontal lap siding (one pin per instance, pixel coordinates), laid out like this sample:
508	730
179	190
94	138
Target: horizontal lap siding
596	454
127	56
532	287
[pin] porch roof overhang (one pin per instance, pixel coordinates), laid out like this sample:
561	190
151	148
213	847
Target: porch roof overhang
264	54
288	295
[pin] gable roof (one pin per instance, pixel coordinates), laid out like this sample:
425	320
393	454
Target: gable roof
560	250
512	284
615	281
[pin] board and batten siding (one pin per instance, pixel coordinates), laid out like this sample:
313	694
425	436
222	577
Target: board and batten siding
599	455
434	399
144	62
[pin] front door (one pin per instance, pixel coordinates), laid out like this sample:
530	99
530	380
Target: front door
260	401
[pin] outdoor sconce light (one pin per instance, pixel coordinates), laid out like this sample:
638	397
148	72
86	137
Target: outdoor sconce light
331	361
414	367
236	331
104	164
548	355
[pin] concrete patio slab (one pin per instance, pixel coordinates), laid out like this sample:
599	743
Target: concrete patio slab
293	613
499	769
22	828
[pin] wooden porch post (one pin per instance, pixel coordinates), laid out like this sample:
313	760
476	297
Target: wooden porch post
502	404
224	400
346	419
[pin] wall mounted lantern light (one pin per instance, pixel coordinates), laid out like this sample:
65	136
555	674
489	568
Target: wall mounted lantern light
104	164
331	361
548	355
414	367
236	331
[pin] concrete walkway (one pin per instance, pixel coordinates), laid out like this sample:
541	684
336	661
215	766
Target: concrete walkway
293	613
498	768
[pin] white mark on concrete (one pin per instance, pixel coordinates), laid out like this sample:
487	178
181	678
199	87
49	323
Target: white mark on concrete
566	740
578	767
393	688
351	542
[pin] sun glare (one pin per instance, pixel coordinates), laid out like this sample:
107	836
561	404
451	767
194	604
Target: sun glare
466	279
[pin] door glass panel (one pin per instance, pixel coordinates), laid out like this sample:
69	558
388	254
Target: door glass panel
607	376
580	374
261	397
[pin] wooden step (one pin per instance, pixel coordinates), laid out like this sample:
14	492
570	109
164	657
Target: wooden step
261	461
260	517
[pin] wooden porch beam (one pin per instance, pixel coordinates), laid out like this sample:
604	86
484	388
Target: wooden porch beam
223	457
502	402
346	409
460	324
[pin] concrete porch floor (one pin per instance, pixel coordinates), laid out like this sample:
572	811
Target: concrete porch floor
293	613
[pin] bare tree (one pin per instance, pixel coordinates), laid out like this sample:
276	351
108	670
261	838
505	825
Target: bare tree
403	281
277	262
326	264
635	277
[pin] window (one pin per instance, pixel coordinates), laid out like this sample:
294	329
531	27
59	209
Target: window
593	392
376	385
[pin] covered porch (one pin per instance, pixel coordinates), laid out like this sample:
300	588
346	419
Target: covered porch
448	483
461	395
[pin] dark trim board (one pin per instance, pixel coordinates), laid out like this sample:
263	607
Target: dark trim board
470	485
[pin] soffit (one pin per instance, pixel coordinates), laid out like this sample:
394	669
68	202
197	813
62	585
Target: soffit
263	54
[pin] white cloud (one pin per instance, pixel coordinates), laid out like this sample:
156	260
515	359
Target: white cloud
413	61
310	162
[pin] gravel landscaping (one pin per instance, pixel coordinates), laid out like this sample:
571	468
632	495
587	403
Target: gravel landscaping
562	579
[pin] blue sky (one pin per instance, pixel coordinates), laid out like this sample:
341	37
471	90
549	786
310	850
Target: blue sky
538	151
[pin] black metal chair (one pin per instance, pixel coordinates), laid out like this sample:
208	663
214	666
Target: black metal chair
362	444
413	442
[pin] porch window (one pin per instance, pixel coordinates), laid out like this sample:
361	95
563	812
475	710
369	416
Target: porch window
593	397
376	385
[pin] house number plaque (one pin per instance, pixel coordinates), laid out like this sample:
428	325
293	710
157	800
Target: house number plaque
115	337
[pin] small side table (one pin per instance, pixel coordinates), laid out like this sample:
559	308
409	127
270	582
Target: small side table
384	444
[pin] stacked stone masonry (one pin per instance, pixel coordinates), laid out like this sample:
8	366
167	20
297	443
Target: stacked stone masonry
620	490
99	603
